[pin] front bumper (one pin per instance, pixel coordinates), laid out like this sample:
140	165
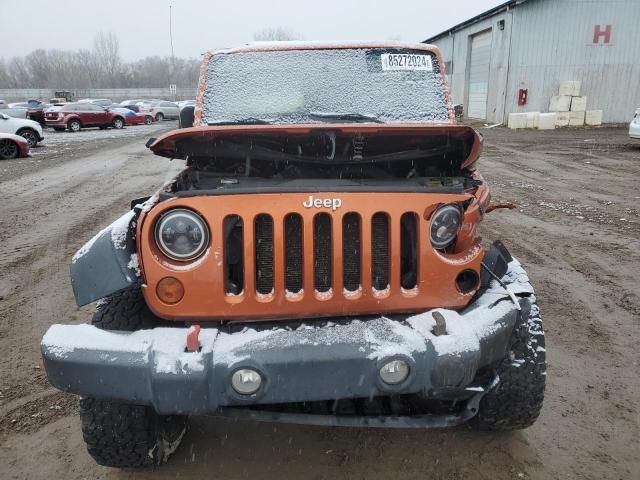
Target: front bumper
308	363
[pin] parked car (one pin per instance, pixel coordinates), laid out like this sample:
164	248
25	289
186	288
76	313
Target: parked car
17	112
134	118
164	110
634	126
28	129
103	102
75	116
186	103
12	146
326	268
35	109
130	104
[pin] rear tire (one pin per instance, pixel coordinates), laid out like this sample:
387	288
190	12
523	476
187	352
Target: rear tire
159	117
123	435
516	401
74	125
8	149
30	135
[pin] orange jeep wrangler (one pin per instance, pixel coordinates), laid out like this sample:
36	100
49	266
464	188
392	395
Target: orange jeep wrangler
317	261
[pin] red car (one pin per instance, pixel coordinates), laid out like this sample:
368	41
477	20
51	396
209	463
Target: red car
13	146
75	116
134	118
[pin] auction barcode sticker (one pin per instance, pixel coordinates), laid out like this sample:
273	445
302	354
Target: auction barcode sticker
406	61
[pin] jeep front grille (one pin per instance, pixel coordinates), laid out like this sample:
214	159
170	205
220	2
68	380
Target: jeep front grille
337	248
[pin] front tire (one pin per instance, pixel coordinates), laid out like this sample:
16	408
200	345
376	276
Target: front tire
31	136
125	310
148	119
122	435
516	401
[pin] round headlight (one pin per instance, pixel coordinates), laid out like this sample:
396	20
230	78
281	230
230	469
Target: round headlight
444	226
182	234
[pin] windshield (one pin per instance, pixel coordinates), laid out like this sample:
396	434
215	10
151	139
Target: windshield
319	86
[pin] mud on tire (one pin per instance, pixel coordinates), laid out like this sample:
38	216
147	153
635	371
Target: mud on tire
124	310
123	435
516	401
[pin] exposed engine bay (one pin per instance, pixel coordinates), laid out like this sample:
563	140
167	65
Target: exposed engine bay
232	160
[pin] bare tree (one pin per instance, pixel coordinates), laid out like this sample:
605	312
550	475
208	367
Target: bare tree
277	33
106	49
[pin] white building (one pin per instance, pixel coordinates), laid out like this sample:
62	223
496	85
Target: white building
527	47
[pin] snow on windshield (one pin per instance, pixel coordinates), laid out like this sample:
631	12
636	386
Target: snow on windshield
309	86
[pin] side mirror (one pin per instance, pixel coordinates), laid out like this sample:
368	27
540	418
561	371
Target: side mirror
3	116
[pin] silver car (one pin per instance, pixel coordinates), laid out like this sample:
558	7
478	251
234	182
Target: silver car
164	110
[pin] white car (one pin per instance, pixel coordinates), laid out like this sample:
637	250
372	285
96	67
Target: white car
28	129
163	110
634	126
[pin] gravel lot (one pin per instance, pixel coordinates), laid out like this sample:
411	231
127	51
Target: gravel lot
576	229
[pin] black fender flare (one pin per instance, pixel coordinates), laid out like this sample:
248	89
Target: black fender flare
107	263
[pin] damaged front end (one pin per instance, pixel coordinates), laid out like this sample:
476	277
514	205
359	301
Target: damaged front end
447	357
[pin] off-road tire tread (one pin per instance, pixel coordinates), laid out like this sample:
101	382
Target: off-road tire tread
119	434
516	401
125	310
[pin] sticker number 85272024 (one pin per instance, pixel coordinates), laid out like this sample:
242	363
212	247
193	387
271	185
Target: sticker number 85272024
406	61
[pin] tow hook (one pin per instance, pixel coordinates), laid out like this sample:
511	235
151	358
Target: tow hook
441	324
193	342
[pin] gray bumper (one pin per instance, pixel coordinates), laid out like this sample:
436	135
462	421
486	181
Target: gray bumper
307	363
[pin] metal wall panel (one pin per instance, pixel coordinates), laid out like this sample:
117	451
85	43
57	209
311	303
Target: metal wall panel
543	42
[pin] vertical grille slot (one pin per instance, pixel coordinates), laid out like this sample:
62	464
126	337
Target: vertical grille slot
409	251
351	251
233	229
322	252
293	259
263	244
380	251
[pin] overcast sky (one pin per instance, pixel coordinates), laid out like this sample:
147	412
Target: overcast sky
142	26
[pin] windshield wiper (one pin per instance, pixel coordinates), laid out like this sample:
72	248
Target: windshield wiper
345	117
243	121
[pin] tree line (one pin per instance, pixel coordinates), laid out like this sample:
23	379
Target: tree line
99	67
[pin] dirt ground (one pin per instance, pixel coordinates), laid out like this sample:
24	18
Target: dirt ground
576	229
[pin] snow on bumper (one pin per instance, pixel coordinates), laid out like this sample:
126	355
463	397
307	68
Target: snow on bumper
335	360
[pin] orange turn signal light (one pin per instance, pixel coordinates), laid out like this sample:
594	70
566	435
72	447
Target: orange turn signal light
170	290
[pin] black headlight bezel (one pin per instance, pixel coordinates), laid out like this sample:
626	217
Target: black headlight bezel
443	209
196	218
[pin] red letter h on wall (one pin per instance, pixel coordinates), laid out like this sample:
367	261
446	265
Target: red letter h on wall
599	33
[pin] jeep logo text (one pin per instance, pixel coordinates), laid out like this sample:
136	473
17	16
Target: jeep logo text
332	203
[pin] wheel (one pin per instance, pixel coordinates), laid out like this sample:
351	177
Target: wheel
74	125
159	117
31	136
117	123
123	435
148	120
516	401
125	310
59	129
8	149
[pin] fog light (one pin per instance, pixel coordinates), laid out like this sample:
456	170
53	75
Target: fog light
246	381
394	372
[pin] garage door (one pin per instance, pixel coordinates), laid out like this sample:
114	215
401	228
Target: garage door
479	75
